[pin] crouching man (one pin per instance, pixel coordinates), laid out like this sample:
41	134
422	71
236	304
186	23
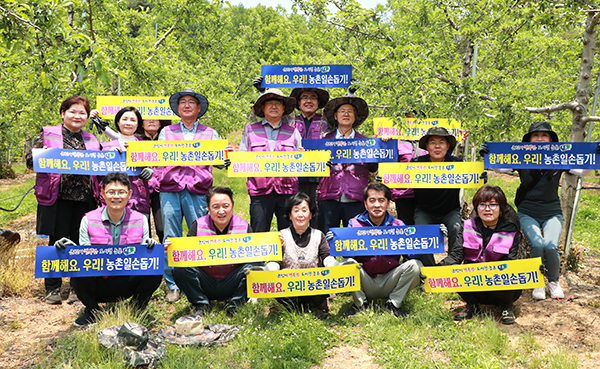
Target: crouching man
113	224
218	282
381	276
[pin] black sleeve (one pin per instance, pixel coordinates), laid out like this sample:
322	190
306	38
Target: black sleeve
457	255
193	229
513	253
323	249
249	230
373	167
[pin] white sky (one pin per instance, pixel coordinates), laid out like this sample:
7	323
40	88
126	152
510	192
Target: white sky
287	4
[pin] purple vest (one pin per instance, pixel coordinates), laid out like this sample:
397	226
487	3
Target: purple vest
46	184
132	228
405	154
378	264
207	228
350	179
317	128
140	197
258	141
197	179
498	247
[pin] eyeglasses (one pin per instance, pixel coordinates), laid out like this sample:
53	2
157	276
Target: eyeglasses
113	193
346	111
309	97
483	206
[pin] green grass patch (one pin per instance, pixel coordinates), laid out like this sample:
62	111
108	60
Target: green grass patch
10	197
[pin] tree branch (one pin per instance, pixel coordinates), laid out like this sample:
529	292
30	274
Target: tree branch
388	38
379	106
552	108
160	40
91	22
7	12
591	118
593	23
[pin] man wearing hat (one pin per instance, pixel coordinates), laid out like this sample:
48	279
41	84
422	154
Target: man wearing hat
182	189
438	205
269	194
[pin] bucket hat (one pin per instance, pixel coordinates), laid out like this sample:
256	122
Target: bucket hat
360	106
438	131
274	94
189	330
138	347
322	95
540	127
202	100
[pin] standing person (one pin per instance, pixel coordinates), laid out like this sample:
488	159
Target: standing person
63	199
438	205
488	236
113	224
182	189
381	276
341	194
269	194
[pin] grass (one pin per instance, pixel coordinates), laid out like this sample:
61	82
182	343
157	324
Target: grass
11	195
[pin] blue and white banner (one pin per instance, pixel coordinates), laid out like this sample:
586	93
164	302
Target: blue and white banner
357	150
399	240
97	261
291	76
83	162
553	155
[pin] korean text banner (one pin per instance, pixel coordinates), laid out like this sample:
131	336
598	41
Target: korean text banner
414	129
150	107
279	164
291	76
224	249
495	276
357	150
176	153
95	261
398	240
82	162
303	282
553	155
431	175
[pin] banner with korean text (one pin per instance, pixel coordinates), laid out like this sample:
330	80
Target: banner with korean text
397	240
414	129
357	150
97	261
291	76
279	164
303	282
224	249
150	107
494	276
552	155
431	175
176	153
82	162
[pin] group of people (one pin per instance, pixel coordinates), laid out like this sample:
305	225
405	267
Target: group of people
115	209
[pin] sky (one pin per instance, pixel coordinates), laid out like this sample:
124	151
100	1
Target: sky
287	4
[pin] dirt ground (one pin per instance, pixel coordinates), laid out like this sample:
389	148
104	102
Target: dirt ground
28	326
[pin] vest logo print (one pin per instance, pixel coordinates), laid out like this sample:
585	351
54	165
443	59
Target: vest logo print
129	250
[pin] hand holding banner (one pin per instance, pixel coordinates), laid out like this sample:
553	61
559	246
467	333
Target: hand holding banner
357	150
552	155
176	153
81	162
290	76
278	164
431	175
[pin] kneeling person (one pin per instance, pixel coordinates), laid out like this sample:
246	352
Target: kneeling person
113	224
218	282
382	276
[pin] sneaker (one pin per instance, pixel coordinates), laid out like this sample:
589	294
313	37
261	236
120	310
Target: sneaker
200	309
353	310
173	296
84	319
53	297
72	297
555	290
397	311
508	317
467	312
539	293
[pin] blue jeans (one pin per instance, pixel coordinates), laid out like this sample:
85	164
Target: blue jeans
544	246
175	206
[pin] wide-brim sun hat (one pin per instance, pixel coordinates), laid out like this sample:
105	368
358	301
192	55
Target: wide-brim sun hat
540	127
322	95
361	110
274	94
189	330
202	100
137	346
438	131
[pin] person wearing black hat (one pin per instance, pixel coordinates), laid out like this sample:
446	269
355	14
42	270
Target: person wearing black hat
438	205
269	194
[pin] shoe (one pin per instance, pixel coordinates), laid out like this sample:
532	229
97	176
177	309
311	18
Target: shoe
84	319
555	290
397	311
230	310
200	309
53	297
173	296
508	317
72	297
467	312
353	310
9	238
539	293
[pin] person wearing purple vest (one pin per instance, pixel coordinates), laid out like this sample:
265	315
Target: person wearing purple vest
182	189
67	195
381	276
218	282
341	194
269	194
113	224
486	237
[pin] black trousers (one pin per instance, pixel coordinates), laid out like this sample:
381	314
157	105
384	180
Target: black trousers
405	210
332	212
157	214
504	299
262	209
